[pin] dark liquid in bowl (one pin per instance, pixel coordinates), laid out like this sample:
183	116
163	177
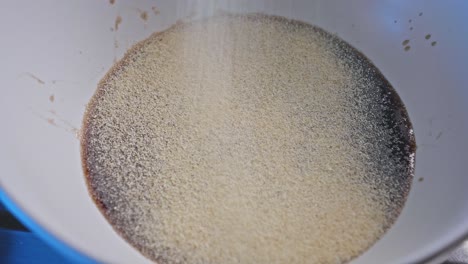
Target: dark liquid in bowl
247	138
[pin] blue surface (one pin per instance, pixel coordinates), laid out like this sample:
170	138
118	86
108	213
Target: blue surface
37	247
20	247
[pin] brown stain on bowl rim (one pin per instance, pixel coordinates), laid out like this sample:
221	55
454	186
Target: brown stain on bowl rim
112	2
405	42
51	121
118	21
35	78
51	98
59	122
144	15
407	48
64	124
155	10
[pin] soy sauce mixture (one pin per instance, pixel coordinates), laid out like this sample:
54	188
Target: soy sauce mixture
247	139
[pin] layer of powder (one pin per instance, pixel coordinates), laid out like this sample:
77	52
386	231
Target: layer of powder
247	139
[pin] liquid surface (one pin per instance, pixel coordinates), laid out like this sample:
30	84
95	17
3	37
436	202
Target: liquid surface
247	139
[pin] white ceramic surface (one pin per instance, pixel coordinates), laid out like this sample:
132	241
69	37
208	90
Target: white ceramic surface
63	48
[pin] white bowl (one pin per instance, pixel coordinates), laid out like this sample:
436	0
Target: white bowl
63	48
